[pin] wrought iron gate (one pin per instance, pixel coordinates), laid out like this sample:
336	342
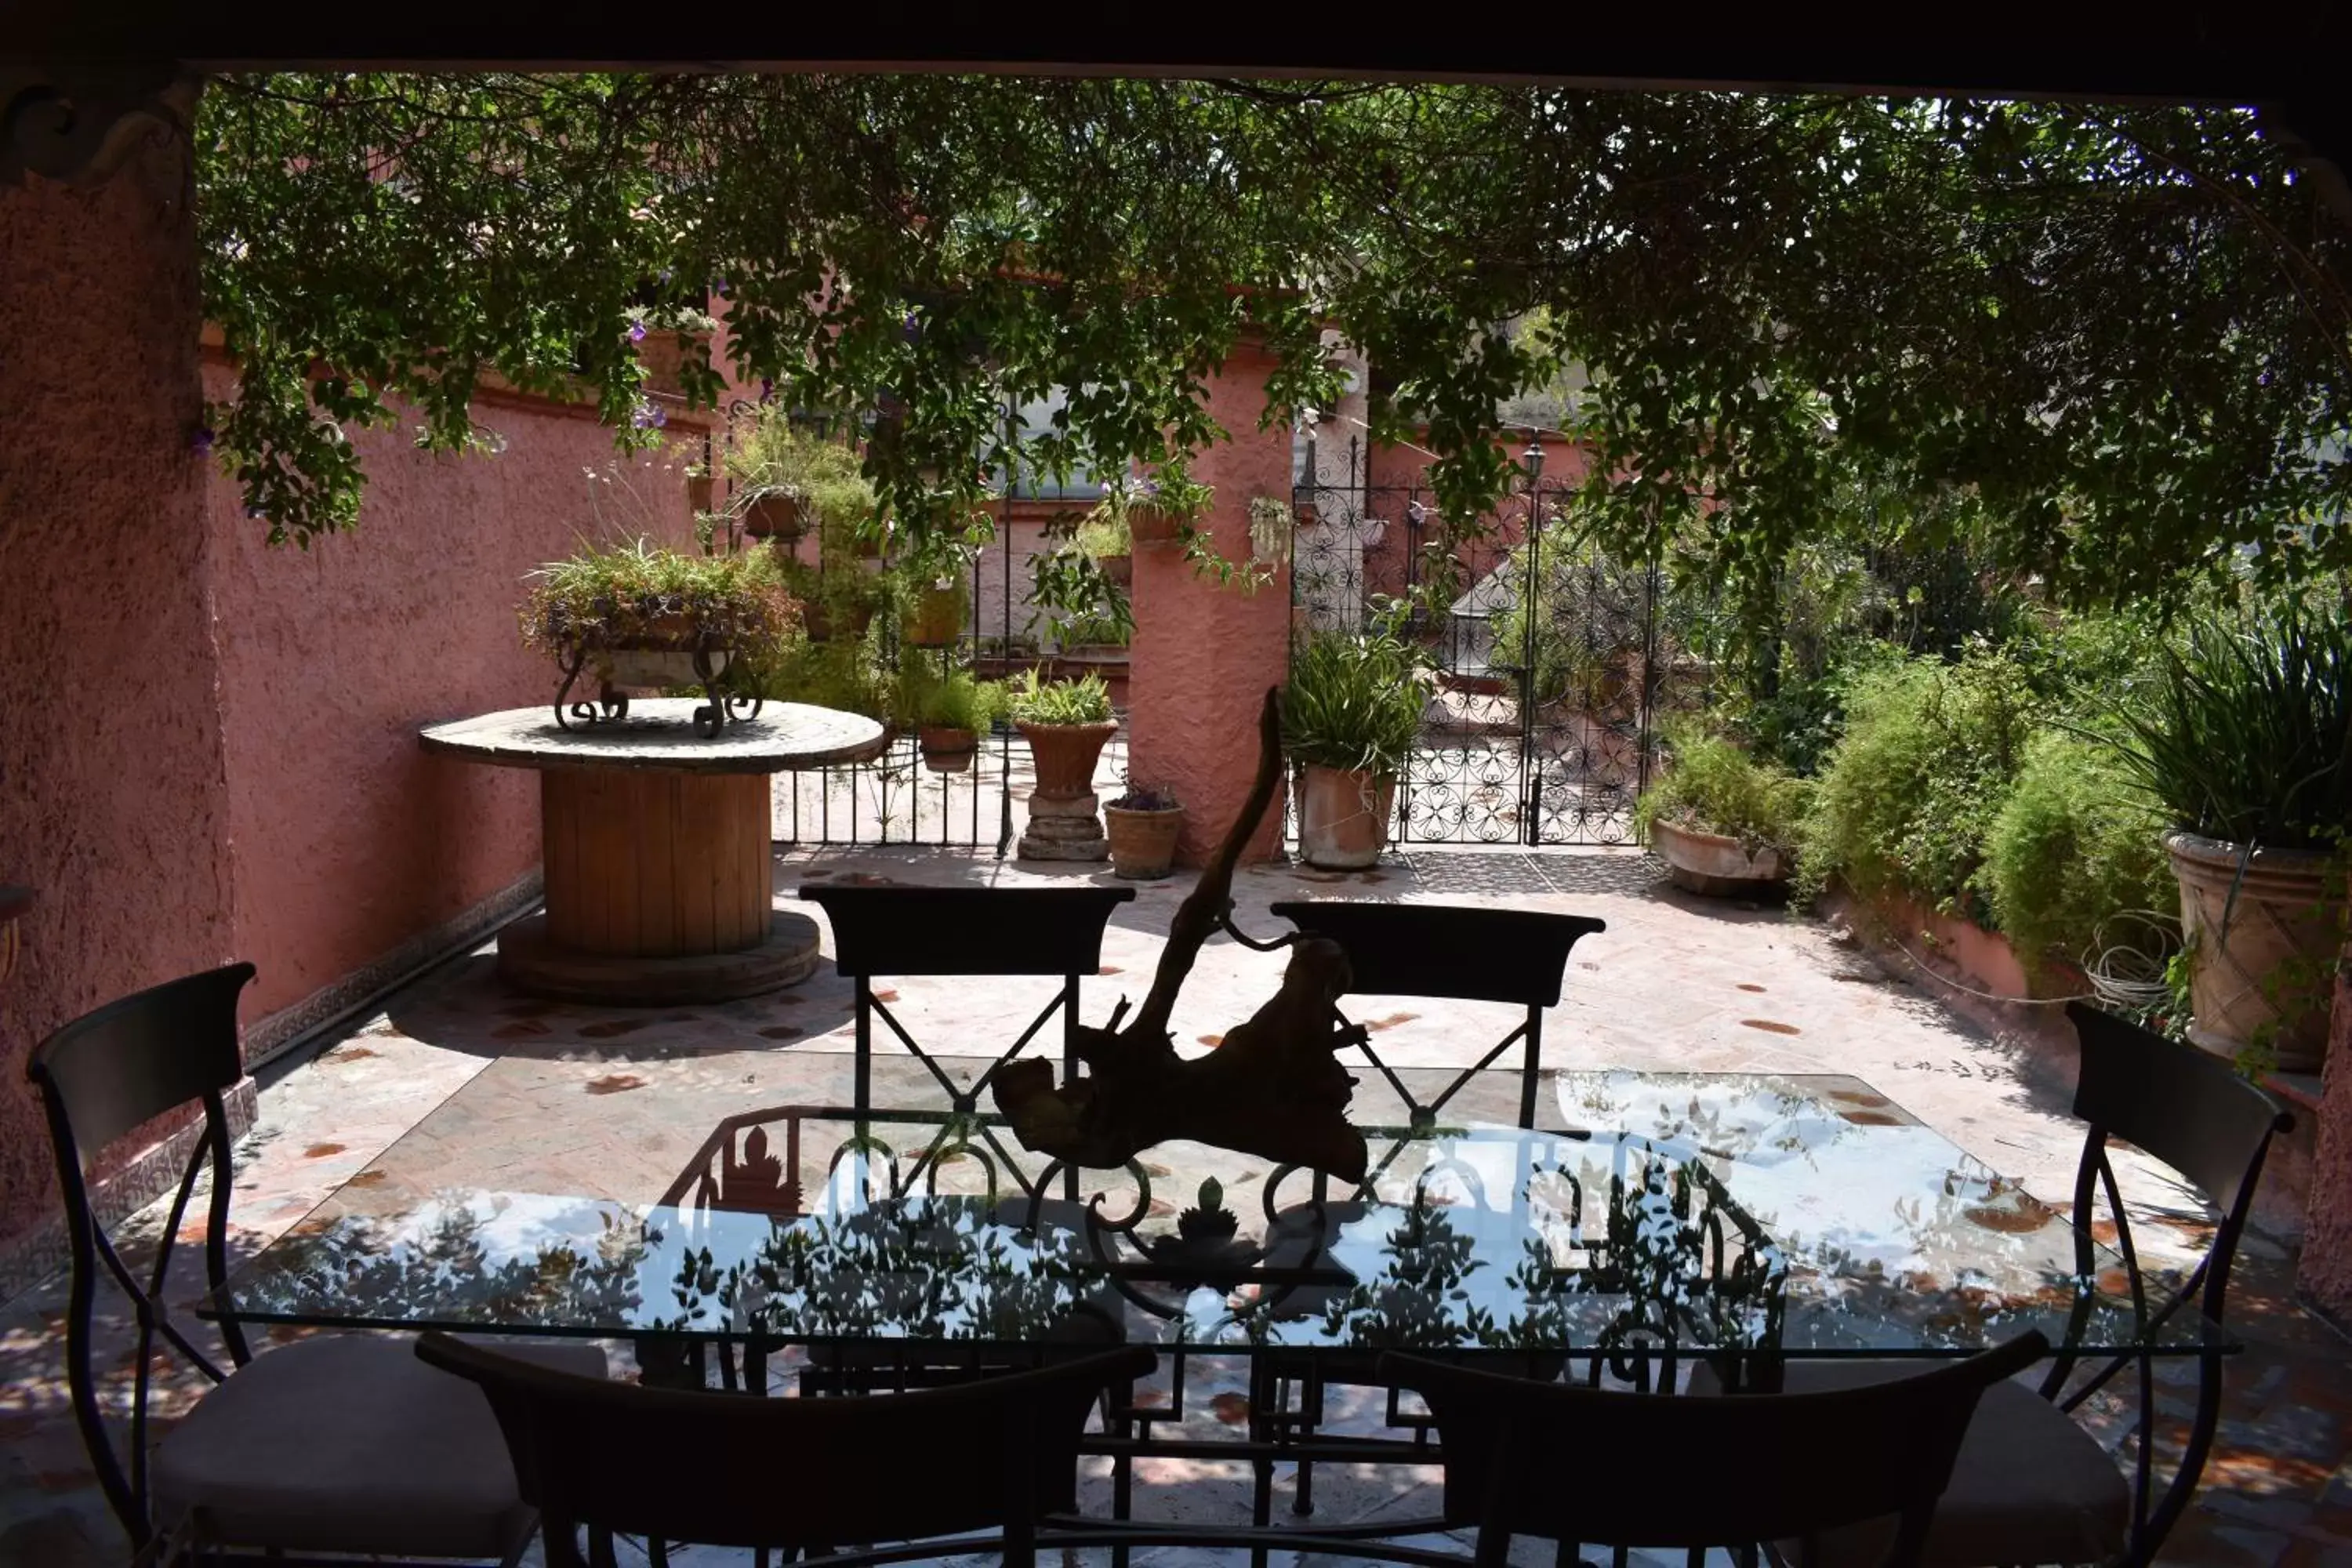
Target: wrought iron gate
1553	661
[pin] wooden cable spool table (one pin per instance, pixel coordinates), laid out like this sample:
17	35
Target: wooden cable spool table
656	847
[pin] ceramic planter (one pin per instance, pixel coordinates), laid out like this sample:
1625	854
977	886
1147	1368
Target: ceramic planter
2260	969
948	750
1343	818
1065	755
1142	843
937	618
1718	865
1063	820
1147	525
775	516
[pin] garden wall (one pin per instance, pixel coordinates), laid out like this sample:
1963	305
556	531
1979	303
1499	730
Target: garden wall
1976	973
113	786
353	854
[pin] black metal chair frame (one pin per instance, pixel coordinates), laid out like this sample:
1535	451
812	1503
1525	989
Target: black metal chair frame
99	1076
973	931
2194	1112
1786	1466
1463	953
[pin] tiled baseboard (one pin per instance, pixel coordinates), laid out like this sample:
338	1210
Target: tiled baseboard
27	1259
270	1036
42	1251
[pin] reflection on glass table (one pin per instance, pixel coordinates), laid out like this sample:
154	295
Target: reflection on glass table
1666	1216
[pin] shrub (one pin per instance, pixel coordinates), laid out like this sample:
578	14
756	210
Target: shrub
1085	701
1910	792
2072	849
1354	702
1712	786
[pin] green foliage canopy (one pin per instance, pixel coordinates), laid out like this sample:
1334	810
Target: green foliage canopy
2122	337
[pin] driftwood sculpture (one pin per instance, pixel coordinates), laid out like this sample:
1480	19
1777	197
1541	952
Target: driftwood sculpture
1272	1089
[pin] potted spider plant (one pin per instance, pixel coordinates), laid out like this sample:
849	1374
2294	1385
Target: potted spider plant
1724	824
1155	508
2247	744
1067	724
1350	715
789	478
1107	541
641	615
1142	825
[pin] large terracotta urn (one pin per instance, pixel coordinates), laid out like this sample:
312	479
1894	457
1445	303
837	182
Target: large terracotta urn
1343	818
2261	962
1716	864
1064	818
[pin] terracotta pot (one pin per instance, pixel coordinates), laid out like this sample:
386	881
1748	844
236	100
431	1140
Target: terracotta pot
774	516
1716	865
948	750
1142	843
2267	973
937	618
1343	818
1117	569
1147	526
1065	756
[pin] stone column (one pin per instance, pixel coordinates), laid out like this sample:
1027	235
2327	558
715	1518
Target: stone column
1203	655
112	779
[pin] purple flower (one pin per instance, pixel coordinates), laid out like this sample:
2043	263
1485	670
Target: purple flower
201	443
911	329
253	512
767	390
648	415
720	286
665	275
636	332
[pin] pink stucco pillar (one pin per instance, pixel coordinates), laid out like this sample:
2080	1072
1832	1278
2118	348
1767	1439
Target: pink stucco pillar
2324	1272
1203	655
112	786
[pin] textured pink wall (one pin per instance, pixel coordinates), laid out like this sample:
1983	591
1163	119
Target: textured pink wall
1205	655
346	840
2325	1273
113	789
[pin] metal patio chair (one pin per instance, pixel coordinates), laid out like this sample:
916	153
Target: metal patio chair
1454	951
974	931
724	1469
331	1444
2031	1485
1609	1467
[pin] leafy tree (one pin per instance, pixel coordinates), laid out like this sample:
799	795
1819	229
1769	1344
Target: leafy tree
2120	340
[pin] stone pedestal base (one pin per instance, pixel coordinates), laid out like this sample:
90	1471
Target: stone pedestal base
1064	827
532	961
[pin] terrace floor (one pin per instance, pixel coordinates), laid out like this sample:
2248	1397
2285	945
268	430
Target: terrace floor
1675	983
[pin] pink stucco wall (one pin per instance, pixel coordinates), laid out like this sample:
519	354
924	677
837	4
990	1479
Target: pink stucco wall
113	788
344	837
1205	655
2325	1273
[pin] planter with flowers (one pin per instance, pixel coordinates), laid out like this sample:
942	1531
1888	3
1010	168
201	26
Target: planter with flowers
641	615
787	479
1142	825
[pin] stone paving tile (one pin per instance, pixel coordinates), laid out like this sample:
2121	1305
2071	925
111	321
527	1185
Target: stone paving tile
616	1100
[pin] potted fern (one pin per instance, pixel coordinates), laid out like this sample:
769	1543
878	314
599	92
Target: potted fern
2247	746
1724	824
1350	715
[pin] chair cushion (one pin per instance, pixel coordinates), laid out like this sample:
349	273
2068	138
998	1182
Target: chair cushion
349	1443
2030	1485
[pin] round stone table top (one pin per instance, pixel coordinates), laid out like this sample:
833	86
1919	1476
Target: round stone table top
659	733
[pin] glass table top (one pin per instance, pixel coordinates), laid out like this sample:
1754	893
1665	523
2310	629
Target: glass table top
1648	1215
